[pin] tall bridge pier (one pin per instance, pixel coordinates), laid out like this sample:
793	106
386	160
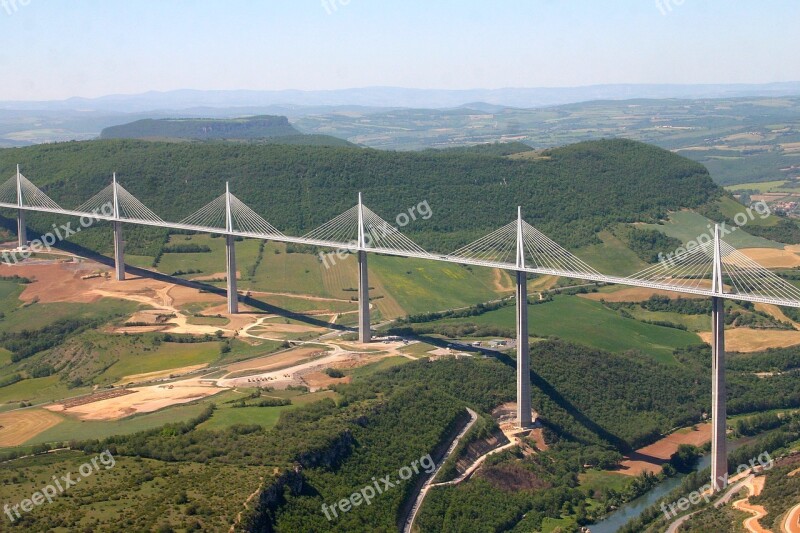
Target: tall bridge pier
22	234
364	332
230	271
119	252
719	453
523	354
524	418
119	244
230	256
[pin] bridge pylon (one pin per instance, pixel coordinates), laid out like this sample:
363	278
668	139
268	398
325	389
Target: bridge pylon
230	256
719	455
119	244
22	234
364	332
524	418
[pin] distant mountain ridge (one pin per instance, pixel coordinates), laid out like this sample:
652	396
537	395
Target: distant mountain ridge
403	97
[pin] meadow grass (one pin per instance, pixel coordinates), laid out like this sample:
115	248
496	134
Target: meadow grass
612	256
590	323
166	356
38	390
421	286
688	225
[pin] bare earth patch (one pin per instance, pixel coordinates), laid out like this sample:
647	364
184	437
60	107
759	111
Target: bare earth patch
321	380
18	427
61	281
748	340
650	458
634	294
286	358
161	373
143	400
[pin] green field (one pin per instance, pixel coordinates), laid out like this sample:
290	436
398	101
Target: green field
588	322
730	208
9	295
688	225
612	257
208	263
421	286
226	416
38	315
72	428
38	390
692	322
599	480
298	273
383	364
762	187
166	356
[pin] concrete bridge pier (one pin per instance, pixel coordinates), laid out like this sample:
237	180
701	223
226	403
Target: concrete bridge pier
523	354
230	269
22	233
364	333
719	455
119	252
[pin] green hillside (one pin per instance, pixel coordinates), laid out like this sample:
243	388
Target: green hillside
570	193
202	128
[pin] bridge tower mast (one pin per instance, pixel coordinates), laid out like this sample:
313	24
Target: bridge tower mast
364	333
119	244
230	255
523	351
22	234
719	455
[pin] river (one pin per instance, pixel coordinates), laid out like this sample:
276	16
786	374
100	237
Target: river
634	508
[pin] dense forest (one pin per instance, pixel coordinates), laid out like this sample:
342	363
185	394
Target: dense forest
569	193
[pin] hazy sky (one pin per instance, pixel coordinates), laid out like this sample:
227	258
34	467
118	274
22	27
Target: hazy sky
61	48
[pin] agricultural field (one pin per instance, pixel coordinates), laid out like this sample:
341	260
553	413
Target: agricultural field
589	323
688	225
612	257
421	286
225	415
73	428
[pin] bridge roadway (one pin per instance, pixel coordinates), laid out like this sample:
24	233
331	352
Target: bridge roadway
353	247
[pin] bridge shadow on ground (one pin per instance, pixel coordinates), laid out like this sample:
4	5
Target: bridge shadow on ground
549	391
258	305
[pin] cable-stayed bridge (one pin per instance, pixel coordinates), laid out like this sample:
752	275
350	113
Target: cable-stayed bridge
713	268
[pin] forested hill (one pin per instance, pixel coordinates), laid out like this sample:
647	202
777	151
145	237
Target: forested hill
260	127
570	193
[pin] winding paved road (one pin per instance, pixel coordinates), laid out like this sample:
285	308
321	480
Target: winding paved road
427	485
